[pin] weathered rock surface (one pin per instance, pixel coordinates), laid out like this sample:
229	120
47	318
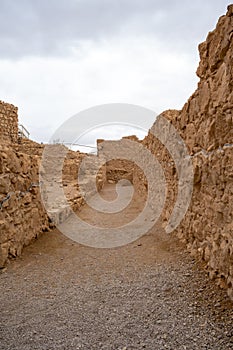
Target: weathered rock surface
22	213
22	216
8	122
206	126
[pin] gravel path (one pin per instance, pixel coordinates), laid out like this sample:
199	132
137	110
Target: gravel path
147	295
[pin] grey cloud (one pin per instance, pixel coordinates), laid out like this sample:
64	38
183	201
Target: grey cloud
45	28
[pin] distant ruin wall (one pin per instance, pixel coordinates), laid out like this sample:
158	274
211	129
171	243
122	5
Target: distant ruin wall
8	122
117	169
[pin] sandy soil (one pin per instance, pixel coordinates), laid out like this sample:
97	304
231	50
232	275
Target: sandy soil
149	294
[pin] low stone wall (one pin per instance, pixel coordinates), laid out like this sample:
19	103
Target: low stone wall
8	122
117	169
22	214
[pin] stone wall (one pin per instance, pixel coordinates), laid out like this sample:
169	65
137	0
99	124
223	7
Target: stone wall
169	168
206	125
22	214
8	122
118	168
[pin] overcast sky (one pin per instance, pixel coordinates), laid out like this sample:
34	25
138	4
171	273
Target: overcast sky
58	57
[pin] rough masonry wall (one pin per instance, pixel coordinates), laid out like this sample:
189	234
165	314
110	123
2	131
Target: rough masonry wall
22	214
8	122
118	169
206	125
168	165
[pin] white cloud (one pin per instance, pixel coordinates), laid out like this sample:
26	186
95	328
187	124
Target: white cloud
107	132
61	56
133	70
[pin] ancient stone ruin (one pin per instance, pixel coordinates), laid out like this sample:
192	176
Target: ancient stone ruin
8	122
205	124
22	214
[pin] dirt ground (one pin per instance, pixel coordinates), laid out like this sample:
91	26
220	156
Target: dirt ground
149	294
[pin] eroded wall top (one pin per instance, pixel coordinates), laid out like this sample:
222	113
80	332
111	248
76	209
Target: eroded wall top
8	122
205	122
